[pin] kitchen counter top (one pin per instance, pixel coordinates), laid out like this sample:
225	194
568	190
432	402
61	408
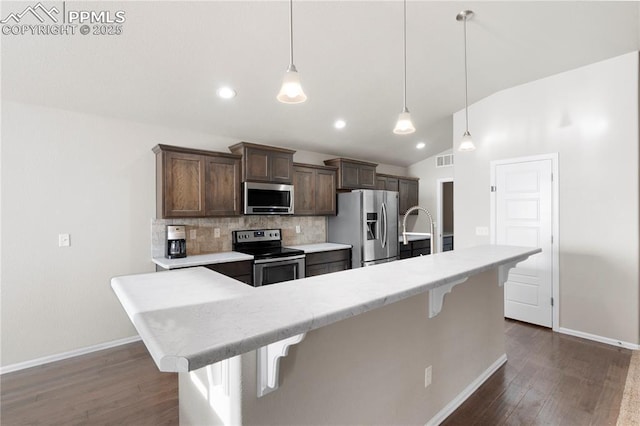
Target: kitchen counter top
315	248
201	259
195	317
414	236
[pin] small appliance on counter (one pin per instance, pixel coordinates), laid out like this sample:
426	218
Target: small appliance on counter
176	242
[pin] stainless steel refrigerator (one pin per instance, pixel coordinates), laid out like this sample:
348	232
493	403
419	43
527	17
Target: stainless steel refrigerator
368	220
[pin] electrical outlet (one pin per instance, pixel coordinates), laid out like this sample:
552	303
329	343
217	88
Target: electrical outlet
64	240
216	232
297	229
427	376
192	234
482	231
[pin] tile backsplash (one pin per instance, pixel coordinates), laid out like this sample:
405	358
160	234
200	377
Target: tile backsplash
313	229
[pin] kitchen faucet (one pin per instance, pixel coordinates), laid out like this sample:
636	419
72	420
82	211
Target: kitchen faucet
432	226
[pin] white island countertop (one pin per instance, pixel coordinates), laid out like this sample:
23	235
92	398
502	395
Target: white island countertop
201	259
195	317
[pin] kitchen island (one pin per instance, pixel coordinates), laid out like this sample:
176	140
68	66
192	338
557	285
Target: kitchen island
370	335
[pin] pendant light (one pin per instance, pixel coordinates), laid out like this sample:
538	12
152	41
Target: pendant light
467	143
404	126
291	91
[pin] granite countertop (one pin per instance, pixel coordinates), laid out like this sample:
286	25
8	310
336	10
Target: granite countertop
191	318
201	259
315	248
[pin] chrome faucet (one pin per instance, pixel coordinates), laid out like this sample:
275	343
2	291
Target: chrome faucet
432	226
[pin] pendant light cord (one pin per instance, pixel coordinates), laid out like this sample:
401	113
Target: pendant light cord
404	43
290	32
466	84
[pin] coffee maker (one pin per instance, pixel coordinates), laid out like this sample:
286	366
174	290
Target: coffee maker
176	241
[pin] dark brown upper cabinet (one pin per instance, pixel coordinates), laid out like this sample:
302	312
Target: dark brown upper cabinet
407	188
196	183
314	189
261	163
354	174
387	182
408	197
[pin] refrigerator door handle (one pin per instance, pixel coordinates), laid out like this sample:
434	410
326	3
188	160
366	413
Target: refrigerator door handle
384	230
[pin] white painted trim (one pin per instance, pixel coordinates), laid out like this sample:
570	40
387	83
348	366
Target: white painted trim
65	355
467	392
436	296
596	338
268	363
555	256
439	213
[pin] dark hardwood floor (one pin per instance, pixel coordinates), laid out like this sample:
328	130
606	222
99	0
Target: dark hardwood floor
119	386
550	379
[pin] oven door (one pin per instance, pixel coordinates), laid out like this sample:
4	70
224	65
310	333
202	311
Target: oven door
271	271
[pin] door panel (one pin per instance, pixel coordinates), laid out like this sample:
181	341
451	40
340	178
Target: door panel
524	218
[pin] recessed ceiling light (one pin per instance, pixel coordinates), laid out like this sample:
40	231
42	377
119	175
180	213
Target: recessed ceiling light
340	124
226	92
420	145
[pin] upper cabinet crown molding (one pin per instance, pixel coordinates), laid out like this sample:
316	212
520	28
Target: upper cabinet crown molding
196	183
162	147
262	163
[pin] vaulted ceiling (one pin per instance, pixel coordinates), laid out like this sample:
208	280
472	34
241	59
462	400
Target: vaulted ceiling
171	57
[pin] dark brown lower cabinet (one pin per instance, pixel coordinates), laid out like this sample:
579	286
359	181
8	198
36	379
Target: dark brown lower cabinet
326	262
241	271
415	248
447	243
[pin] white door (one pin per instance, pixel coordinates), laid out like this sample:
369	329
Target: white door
524	217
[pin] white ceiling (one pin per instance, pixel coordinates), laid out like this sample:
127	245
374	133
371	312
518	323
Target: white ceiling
172	56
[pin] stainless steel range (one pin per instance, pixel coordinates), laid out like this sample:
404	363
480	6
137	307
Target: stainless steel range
272	263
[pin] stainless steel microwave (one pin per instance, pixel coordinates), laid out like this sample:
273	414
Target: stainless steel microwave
268	198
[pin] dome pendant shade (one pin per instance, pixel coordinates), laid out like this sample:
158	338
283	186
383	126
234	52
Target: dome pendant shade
404	126
291	91
467	143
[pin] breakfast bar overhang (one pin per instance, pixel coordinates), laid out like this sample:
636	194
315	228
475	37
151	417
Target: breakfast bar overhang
402	342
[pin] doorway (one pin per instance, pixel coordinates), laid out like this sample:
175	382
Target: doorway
444	219
524	212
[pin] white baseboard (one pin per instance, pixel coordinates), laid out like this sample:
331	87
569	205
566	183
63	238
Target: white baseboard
596	338
59	357
467	392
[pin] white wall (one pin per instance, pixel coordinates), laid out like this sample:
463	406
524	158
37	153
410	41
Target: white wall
590	117
91	177
94	178
429	174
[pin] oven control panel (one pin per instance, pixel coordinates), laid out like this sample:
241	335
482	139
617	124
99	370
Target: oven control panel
256	235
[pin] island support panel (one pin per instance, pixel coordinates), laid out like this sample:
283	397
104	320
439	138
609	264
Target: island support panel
366	369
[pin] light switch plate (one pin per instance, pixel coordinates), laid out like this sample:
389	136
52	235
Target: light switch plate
482	231
297	229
